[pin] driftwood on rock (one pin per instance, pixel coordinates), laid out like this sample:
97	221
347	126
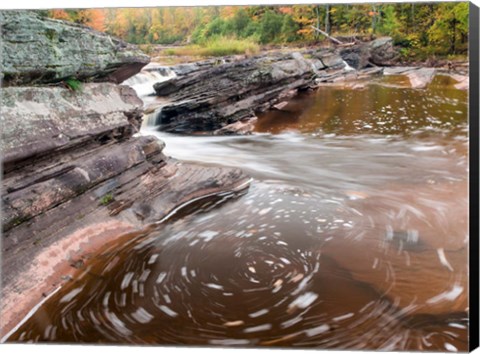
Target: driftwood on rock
333	39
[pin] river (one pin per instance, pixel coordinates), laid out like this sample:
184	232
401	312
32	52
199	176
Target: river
353	235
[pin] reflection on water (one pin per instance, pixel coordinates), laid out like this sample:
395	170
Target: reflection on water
383	107
349	237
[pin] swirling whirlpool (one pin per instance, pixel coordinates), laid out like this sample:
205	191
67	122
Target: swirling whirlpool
350	241
260	283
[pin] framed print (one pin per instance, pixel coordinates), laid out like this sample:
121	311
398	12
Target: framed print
247	175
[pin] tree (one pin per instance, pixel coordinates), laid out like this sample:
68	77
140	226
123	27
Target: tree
451	24
421	29
327	19
389	24
215	28
240	22
271	26
289	29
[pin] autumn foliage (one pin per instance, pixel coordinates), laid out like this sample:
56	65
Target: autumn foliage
419	28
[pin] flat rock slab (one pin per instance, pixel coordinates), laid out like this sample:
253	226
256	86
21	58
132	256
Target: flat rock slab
419	77
463	82
42	50
242	127
399	70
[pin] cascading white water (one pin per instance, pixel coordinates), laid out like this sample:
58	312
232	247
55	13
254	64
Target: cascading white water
347	67
143	82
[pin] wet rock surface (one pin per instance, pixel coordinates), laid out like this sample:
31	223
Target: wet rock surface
121	179
243	127
43	50
419	77
213	94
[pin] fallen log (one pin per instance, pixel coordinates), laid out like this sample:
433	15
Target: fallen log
333	39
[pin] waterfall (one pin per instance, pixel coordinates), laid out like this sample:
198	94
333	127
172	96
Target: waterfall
347	67
152	119
143	82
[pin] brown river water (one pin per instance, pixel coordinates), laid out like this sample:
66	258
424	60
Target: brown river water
353	235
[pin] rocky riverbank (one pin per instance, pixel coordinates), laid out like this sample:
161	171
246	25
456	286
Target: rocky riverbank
75	175
223	96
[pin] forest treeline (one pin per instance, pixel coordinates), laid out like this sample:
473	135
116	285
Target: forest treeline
420	29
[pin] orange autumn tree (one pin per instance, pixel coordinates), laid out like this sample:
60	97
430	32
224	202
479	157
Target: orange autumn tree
96	19
304	16
418	28
59	14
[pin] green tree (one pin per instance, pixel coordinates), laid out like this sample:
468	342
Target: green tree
270	27
240	22
215	28
289	29
389	24
450	27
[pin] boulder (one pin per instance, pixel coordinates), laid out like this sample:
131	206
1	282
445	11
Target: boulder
332	60
379	52
166	87
40	50
357	56
383	53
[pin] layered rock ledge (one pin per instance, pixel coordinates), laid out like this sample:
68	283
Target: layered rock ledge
211	95
222	96
75	173
42	50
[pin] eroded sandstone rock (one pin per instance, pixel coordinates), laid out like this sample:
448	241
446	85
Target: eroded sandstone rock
43	50
75	175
